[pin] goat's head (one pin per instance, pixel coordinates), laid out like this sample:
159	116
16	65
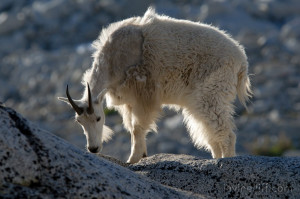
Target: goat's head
90	115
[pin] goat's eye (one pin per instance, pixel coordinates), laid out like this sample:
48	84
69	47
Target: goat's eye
98	119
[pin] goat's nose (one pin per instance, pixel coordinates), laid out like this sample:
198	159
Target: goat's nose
93	149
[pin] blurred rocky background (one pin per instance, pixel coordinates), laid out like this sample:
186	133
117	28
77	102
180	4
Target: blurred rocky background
45	45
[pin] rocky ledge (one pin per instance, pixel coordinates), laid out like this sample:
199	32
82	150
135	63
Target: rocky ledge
37	164
238	177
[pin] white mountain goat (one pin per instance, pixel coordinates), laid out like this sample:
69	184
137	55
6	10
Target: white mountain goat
143	63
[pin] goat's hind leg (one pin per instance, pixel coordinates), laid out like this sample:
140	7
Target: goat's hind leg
222	142
215	149
228	145
222	137
213	128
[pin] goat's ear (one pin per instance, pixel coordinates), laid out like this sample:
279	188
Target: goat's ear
101	95
126	46
64	99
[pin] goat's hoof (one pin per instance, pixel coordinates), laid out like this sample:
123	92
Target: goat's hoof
133	160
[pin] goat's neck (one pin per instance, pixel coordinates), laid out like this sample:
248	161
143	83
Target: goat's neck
97	83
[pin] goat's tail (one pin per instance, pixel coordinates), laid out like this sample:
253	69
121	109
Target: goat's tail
244	91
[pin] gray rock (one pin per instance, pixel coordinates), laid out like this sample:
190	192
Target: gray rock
34	163
7	46
174	122
238	177
232	17
292	153
290	34
4	4
282	9
9	22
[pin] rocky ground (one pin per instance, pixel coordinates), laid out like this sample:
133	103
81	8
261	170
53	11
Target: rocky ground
45	45
38	164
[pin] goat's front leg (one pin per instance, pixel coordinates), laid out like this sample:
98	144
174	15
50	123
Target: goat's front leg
138	145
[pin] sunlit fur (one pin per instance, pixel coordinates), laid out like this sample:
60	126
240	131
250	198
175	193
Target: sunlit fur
150	61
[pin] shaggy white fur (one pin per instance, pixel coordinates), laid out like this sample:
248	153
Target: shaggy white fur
150	61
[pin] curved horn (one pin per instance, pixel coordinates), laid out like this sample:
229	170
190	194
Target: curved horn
90	109
78	110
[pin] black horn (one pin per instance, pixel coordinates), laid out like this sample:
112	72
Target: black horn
78	110
90	109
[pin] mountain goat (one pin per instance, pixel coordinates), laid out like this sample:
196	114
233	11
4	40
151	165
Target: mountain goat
143	63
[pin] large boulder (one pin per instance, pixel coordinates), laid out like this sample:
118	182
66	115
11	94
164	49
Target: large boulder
37	164
238	177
